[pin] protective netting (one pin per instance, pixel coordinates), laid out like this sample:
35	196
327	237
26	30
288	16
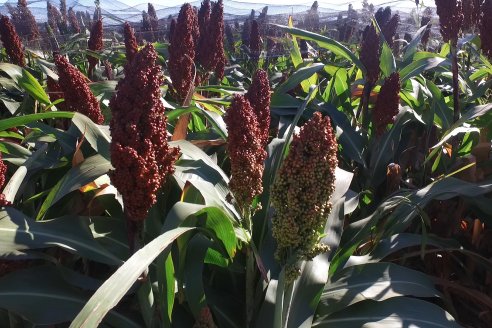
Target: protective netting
328	17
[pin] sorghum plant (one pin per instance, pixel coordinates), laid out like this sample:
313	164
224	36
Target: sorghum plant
95	44
255	40
11	42
130	42
301	194
140	154
451	20
78	95
3	171
485	28
387	104
74	22
203	25
389	30
259	97
24	21
246	153
214	58
182	53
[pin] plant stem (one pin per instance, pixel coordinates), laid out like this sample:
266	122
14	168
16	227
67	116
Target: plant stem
250	284
456	91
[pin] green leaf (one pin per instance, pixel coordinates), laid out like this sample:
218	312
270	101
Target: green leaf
387	62
193	273
113	289
12	122
325	42
50	302
297	77
375	281
391	313
87	171
421	65
71	233
32	86
98	136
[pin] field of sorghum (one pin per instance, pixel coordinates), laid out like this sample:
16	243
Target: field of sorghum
248	175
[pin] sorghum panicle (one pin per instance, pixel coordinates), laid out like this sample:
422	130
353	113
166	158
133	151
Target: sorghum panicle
140	154
255	39
229	37
3	171
131	47
55	92
245	151
74	22
214	56
426	35
450	18
182	53
78	95
383	16
258	96
95	43
203	26
24	21
246	33
302	191
370	53
108	69
471	14
486	27
389	30
53	16
154	20
172	26
387	104
11	42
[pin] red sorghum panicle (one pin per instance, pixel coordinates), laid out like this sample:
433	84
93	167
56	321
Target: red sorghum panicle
426	35
450	18
108	69
203	26
370	52
54	16
255	39
259	98
182	53
246	33
229	37
245	151
471	14
95	43
383	16
301	194
3	171
172	26
78	95
130	42
214	57
140	153
486	27
389	30
11	42
154	20
55	92
23	20
387	104
74	22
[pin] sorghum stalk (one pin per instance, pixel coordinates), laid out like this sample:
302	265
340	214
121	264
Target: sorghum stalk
140	154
